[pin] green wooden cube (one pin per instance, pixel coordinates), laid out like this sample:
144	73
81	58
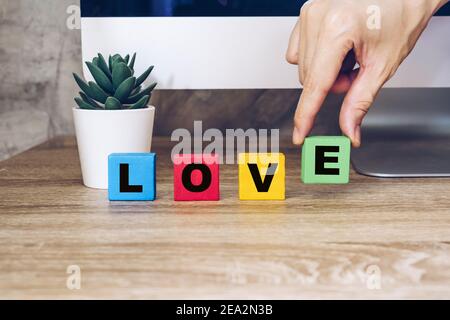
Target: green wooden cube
326	160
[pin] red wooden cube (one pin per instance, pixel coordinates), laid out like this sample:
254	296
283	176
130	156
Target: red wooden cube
196	178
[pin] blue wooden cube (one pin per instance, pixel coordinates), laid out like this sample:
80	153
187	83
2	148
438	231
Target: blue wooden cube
132	177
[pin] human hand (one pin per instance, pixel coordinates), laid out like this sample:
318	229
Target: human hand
331	36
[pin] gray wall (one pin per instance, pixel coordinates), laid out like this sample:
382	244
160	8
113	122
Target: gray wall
38	54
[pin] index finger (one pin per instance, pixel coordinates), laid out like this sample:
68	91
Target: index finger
322	74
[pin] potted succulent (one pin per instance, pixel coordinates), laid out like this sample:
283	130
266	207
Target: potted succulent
113	115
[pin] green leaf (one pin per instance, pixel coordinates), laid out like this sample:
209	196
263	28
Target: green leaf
120	73
83	105
103	66
124	90
95	61
112	104
127	59
133	60
100	77
144	76
90	101
141	104
135	98
84	86
117	56
136	91
152	86
97	93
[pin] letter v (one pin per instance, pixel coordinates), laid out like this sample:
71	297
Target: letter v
262	186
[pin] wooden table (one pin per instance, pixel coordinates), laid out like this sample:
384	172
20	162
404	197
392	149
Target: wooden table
322	242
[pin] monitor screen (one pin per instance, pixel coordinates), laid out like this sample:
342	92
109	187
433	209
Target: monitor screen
197	8
230	44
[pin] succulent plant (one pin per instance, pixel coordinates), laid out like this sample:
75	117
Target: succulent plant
115	86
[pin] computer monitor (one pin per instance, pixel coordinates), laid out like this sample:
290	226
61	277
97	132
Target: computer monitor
241	44
230	44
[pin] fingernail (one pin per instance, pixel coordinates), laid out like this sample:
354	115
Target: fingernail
297	137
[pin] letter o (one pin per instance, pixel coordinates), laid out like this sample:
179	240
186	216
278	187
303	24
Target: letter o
187	177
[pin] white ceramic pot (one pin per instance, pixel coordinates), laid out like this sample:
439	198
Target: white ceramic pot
102	132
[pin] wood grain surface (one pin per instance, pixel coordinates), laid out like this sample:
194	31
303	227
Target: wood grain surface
322	242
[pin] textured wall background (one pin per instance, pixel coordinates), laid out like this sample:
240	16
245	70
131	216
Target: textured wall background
38	54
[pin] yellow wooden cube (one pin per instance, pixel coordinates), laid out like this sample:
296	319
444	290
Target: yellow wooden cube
262	176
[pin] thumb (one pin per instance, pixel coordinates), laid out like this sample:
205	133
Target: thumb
357	103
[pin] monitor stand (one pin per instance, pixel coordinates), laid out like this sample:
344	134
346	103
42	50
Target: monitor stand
406	134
